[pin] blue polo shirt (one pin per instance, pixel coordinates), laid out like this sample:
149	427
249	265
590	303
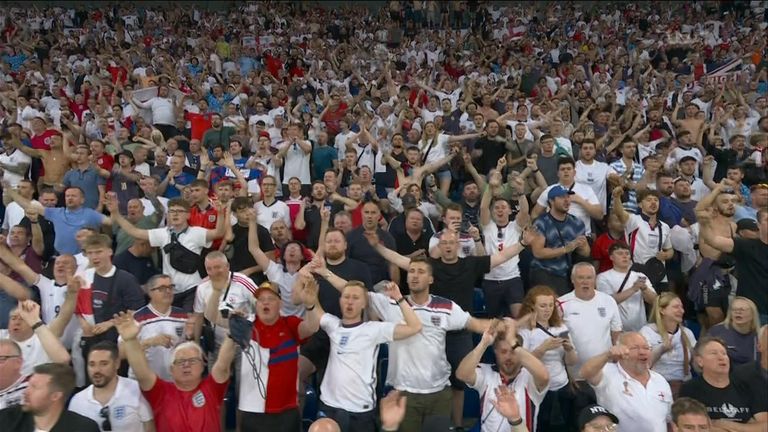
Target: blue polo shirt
67	222
182	179
557	234
88	180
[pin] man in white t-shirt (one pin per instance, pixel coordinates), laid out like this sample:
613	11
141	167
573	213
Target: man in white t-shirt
649	237
630	289
270	209
113	402
638	396
516	368
14	213
424	378
184	273
584	203
592	173
591	316
295	152
14	165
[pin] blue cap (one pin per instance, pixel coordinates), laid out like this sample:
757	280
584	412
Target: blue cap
558	191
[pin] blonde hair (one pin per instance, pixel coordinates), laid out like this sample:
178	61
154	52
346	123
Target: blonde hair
728	322
662	301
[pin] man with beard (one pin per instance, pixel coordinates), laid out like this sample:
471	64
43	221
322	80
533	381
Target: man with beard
310	220
710	277
218	135
638	396
112	401
339	268
45	401
649	238
515	367
163	110
592	173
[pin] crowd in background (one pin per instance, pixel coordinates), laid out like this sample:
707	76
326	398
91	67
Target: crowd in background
543	217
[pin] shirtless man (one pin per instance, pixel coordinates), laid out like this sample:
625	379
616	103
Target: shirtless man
723	200
55	162
415	171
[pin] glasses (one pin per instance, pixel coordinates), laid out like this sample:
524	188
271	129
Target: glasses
3	359
164	288
104	414
187	362
612	427
177	211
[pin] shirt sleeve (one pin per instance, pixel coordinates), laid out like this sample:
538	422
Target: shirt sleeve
199	304
615	315
603	284
542	200
386	331
198	236
458	318
158	237
481	379
384	308
329	323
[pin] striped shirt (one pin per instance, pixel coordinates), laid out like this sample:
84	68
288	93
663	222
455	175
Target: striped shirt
14	394
154	323
637	174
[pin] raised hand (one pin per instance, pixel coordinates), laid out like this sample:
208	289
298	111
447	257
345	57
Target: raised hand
393	291
489	335
506	403
392	410
126	326
29	311
110	201
618	352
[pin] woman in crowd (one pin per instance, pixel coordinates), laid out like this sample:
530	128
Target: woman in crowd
670	340
546	337
739	331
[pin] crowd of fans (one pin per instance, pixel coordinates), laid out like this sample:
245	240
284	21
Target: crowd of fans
269	215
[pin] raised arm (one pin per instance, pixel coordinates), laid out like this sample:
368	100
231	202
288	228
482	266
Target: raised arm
618	207
21	268
222	369
412	322
308	294
388	254
221	223
30	313
123	223
253	242
467	370
59	324
128	329
592	370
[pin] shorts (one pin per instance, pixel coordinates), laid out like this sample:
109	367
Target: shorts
289	420
716	295
501	294
457	345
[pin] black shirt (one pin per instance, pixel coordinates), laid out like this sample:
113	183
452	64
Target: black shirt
756	379
349	269
313	220
141	267
49	235
110	295
241	258
407	246
14	419
730	403
493	149
457	281
359	249
752	270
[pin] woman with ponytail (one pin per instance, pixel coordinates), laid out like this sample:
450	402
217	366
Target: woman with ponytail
672	343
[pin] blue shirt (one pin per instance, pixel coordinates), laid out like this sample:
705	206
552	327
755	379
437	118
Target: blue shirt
247	64
637	175
182	179
557	235
89	181
67	223
322	159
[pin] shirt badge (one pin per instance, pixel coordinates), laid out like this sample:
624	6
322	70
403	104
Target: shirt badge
601	312
198	400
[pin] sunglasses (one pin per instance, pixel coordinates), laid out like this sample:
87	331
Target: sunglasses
106	425
758	186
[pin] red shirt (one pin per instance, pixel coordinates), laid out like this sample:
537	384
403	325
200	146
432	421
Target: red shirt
106	161
205	218
600	251
198	410
281	340
200	124
332	118
43	141
357	215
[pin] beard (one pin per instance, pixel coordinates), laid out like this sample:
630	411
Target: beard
333	254
100	381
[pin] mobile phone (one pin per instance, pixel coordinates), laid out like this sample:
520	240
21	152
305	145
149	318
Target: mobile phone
564	335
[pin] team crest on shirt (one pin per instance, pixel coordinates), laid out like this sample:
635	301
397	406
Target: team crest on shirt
118	413
344	340
198	400
601	311
212	218
435	319
179	331
274	215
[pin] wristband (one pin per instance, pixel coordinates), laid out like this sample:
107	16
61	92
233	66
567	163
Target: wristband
535	171
477	240
310	308
38	325
400	300
523	244
517	422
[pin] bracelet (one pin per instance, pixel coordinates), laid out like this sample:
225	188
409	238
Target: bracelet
310	308
517	422
523	244
38	325
400	300
535	171
478	240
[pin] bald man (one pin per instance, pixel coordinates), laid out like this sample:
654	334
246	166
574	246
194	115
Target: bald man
324	425
623	386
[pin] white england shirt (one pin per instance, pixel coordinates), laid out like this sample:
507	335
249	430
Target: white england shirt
595	175
632	310
553	359
128	410
670	364
528	398
510	235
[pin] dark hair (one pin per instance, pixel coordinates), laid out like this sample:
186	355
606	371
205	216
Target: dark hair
646	193
706	340
241	203
62	378
178	202
566	160
736	167
619	245
199	183
453	206
420	259
106	345
685	405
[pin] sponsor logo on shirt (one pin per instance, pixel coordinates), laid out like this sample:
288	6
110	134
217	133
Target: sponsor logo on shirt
198	400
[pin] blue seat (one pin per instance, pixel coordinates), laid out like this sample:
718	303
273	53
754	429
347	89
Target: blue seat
478	303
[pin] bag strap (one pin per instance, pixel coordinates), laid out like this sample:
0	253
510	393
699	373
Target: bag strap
624	282
429	149
560	236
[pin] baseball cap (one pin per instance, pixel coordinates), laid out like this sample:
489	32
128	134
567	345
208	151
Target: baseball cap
128	154
558	191
747	224
267	286
687	158
592	412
